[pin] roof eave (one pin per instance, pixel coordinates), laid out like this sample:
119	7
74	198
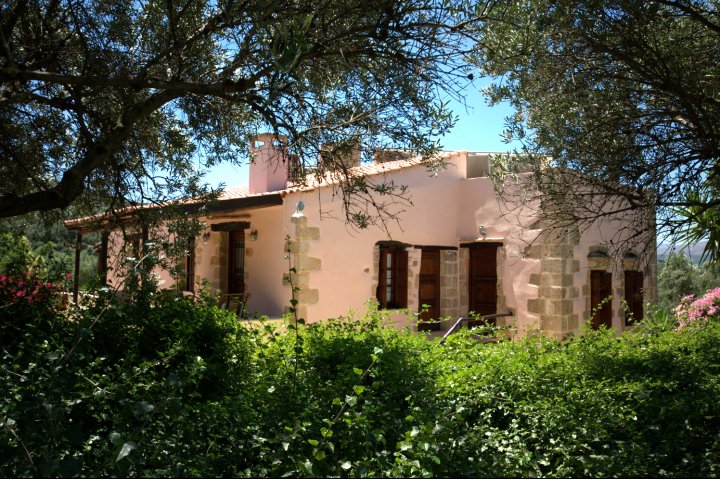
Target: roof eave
99	222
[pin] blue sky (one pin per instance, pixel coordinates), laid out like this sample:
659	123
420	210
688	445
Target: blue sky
479	128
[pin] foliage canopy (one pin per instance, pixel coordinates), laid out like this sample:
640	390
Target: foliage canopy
623	96
113	103
176	388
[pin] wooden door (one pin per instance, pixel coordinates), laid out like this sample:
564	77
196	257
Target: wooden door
483	281
600	289
634	296
429	290
236	266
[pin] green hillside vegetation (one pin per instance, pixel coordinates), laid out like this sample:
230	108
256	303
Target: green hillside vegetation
47	249
152	384
679	275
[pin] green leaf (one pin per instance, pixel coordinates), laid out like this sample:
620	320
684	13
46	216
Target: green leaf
115	438
313	442
174	381
142	409
346	465
126	449
351	400
358	371
358	389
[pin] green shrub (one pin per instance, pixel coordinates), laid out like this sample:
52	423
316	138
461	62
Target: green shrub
176	388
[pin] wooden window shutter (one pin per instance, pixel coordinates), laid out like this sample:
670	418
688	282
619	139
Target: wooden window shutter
401	279
634	296
382	279
601	288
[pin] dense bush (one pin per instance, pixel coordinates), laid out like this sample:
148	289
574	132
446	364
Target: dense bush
181	388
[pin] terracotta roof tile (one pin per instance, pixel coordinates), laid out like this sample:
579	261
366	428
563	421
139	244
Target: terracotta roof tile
312	182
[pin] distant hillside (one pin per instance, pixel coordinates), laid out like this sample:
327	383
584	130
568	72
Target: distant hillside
695	251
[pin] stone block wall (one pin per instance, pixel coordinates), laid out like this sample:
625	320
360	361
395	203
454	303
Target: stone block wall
556	292
449	286
304	264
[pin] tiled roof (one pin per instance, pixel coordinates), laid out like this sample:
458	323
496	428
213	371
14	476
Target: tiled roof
235	192
240	192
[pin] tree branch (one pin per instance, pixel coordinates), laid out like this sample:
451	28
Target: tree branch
72	183
213	89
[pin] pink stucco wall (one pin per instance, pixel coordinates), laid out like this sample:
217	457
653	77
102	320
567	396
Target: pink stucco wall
446	210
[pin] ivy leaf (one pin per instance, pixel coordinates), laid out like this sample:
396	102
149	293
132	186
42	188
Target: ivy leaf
126	449
142	409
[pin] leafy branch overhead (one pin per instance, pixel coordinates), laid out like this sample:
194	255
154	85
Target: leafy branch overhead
105	104
623	96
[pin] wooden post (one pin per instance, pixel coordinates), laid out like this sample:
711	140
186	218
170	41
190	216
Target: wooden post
103	258
76	275
144	239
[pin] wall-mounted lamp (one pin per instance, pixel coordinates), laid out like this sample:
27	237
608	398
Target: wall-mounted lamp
206	237
298	210
253	235
483	231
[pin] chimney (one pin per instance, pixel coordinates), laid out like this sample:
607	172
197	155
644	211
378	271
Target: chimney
269	169
384	155
348	155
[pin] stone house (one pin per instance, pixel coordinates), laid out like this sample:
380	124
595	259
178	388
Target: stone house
456	249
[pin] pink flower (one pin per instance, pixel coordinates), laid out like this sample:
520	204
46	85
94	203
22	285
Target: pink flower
68	276
702	309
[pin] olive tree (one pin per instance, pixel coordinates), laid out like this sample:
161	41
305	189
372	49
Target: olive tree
109	103
617	105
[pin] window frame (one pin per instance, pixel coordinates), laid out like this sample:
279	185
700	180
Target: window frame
398	268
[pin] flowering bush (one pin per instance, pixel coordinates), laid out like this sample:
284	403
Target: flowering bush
692	311
25	299
25	290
